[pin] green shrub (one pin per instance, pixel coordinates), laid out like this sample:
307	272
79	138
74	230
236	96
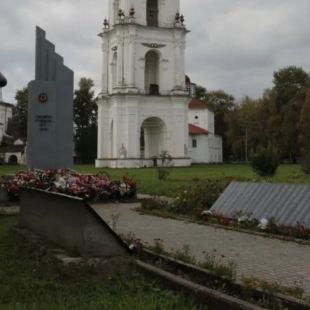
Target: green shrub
191	200
163	170
154	203
265	161
200	196
305	164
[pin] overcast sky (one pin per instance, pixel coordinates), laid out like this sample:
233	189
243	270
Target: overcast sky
234	45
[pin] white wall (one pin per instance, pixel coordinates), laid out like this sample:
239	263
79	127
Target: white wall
129	44
208	149
5	115
166	16
124	100
18	155
129	112
205	119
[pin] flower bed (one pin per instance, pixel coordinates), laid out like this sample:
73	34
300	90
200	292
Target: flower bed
242	220
89	187
212	273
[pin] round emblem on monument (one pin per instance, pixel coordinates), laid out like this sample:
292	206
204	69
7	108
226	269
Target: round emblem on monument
43	97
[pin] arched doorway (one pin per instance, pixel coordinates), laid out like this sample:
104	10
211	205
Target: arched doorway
153	137
152	81
13	160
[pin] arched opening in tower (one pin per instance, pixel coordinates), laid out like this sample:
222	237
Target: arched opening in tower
153	137
152	13
152	73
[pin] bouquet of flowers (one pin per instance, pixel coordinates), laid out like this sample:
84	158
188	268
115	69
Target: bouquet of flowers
89	187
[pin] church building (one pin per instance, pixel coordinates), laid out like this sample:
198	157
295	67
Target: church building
11	148
146	105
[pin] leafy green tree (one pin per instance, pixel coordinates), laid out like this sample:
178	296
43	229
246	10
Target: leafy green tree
85	121
20	112
236	133
288	82
244	123
222	104
200	92
304	123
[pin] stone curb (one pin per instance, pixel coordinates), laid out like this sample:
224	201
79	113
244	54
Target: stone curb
234	286
214	298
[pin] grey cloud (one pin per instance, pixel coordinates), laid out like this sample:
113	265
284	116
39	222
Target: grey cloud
234	45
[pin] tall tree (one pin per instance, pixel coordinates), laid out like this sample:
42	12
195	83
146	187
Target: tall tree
222	104
236	134
85	121
20	112
304	123
288	82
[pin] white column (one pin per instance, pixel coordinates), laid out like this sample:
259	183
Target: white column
120	62
182	62
177	53
132	67
132	127
103	132
146	143
116	7
105	68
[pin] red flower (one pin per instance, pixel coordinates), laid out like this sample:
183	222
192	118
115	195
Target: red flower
13	187
138	245
226	221
205	218
130	183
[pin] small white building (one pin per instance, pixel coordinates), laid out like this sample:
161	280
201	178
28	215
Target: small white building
6	110
143	107
13	154
204	145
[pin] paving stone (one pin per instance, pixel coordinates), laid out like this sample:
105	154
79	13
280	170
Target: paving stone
265	258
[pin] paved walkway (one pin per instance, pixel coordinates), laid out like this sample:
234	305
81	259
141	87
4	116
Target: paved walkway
264	258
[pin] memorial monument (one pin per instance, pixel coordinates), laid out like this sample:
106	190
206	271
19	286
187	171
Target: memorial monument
50	110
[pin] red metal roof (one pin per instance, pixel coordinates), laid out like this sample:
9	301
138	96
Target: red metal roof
195	130
197	104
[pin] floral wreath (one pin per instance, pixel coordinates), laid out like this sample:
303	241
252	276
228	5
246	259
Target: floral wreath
43	97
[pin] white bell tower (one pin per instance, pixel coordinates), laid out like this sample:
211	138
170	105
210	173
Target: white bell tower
143	105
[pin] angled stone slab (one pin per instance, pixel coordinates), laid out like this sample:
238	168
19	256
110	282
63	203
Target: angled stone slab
287	203
69	222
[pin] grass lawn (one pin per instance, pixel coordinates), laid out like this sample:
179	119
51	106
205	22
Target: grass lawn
148	182
29	280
